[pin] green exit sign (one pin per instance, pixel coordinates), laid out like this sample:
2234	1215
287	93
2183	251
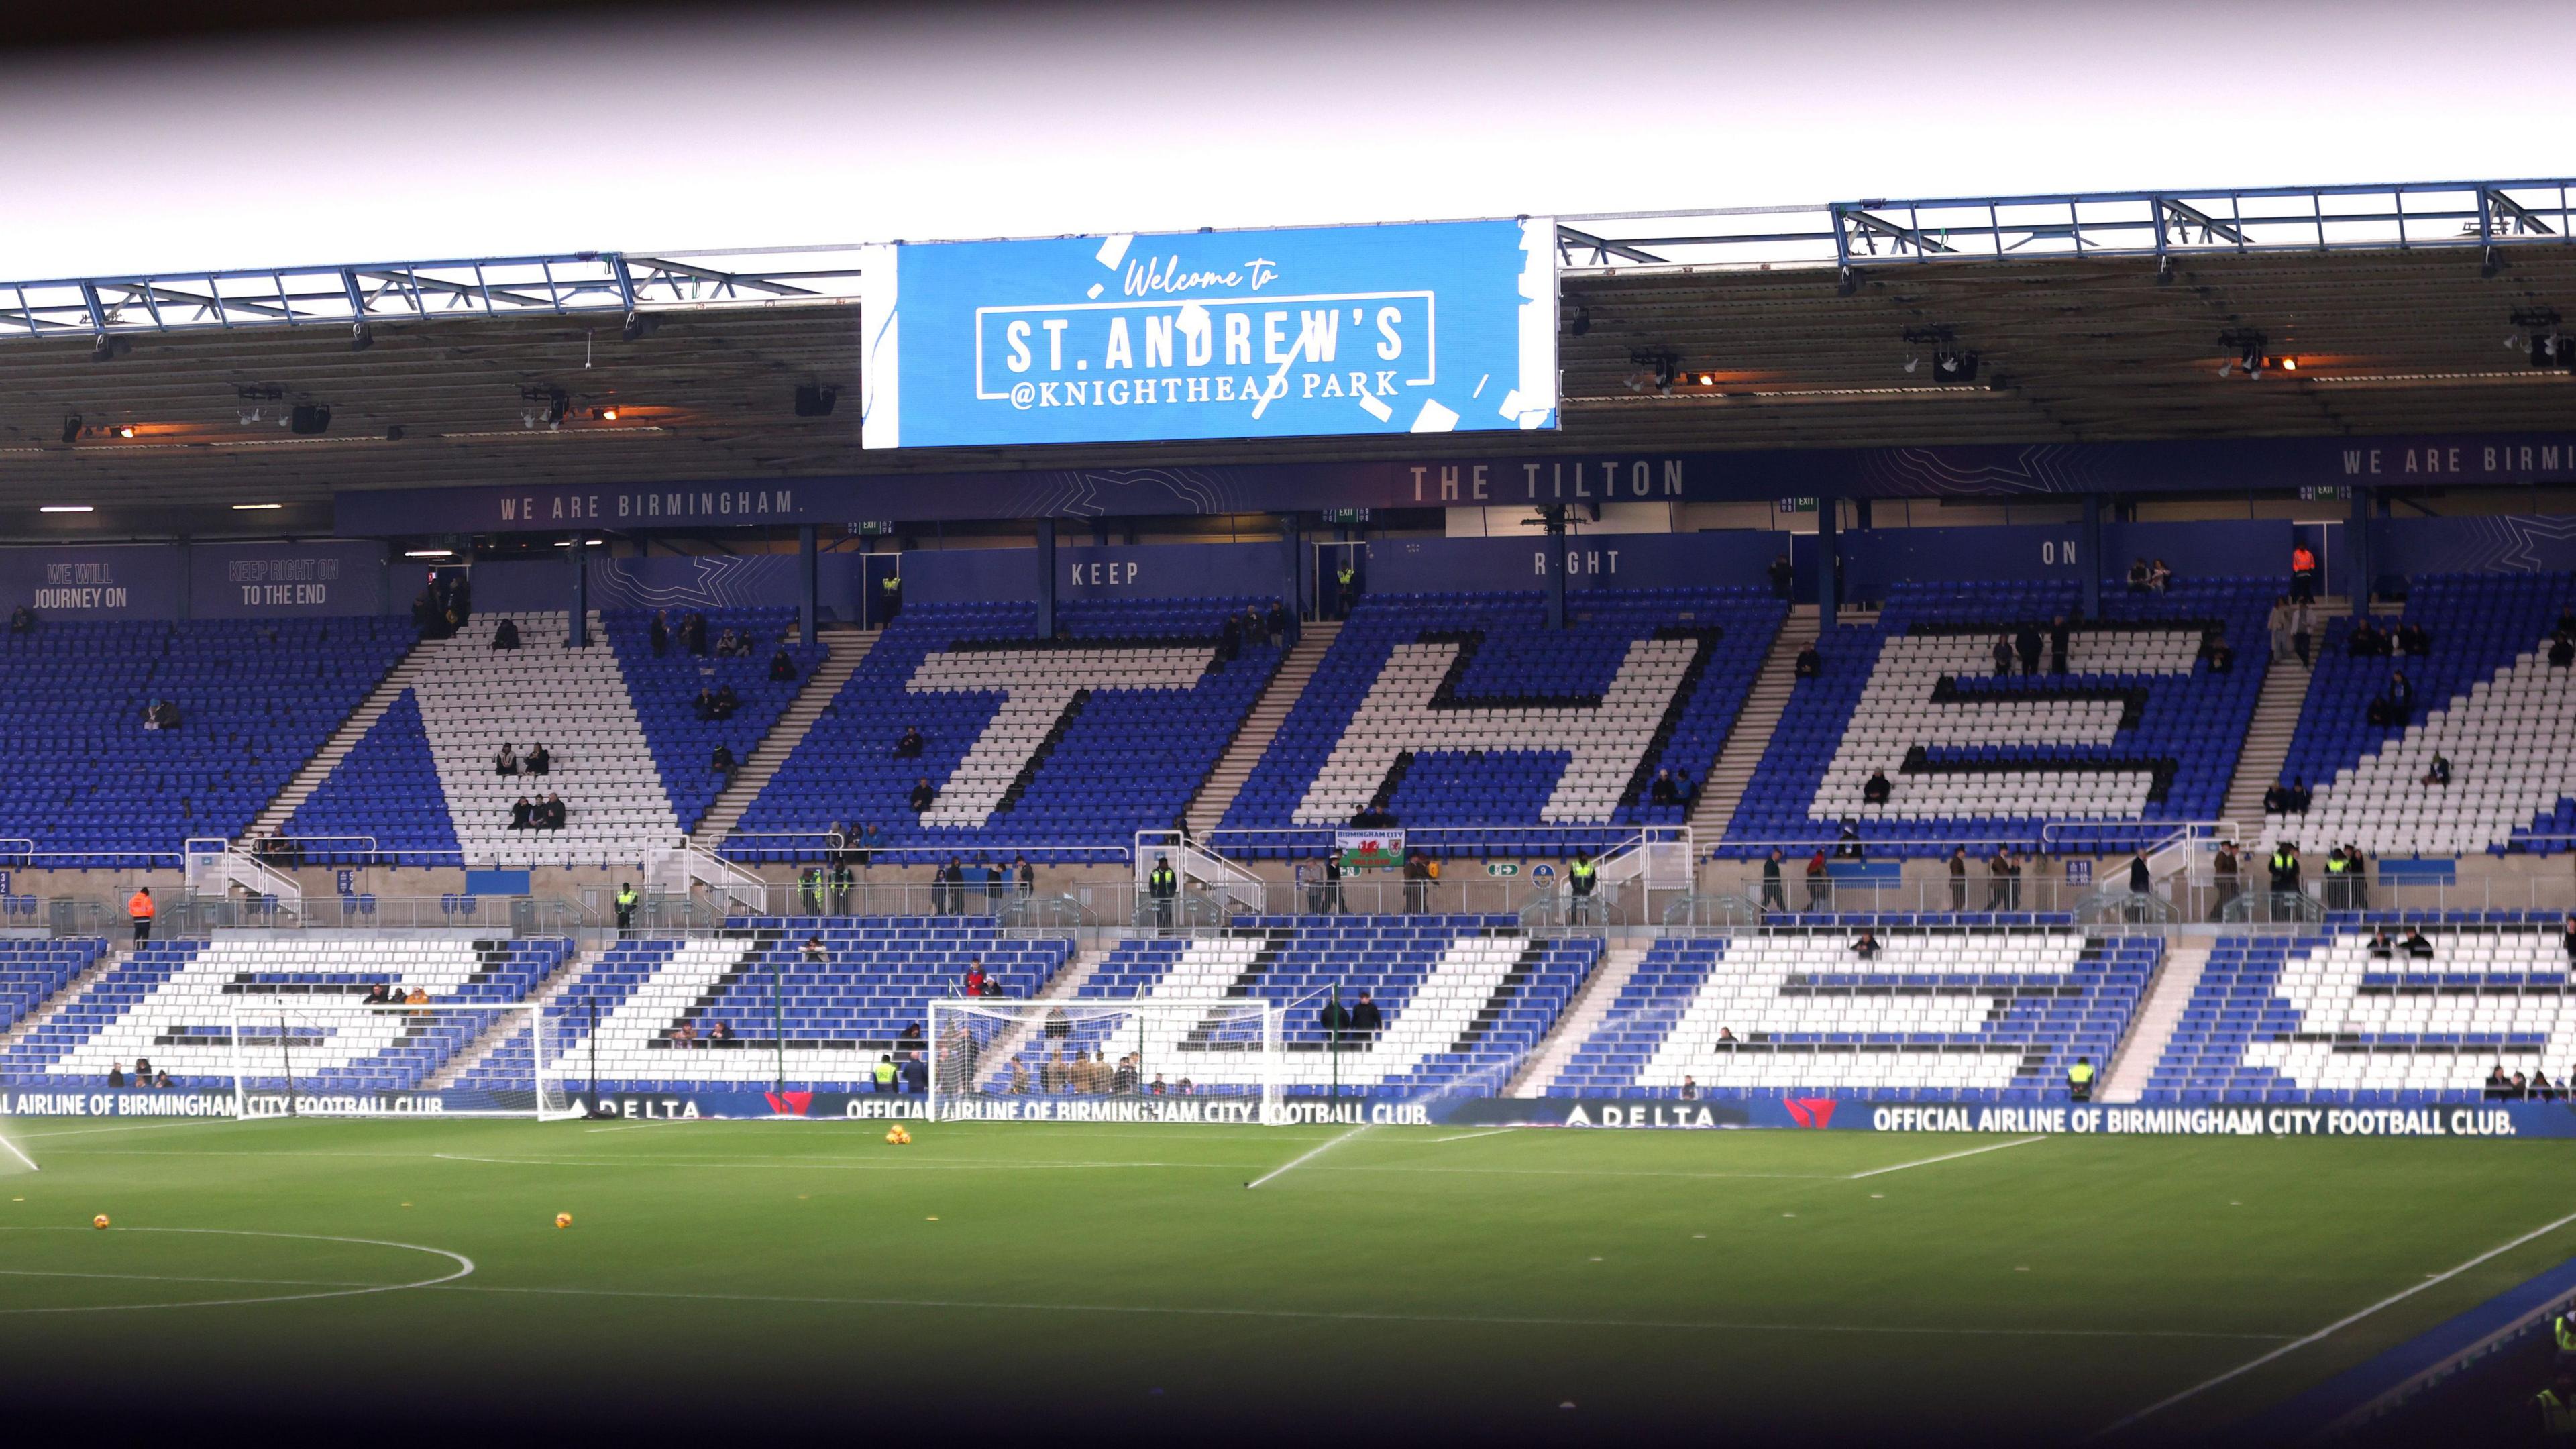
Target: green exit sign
1346	515
872	528
1502	867
1797	505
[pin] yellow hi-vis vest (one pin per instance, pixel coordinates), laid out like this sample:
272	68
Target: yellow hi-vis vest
2557	1418
2565	1329
885	1072
2081	1074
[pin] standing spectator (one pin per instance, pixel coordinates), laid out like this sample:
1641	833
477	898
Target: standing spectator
809	889
782	668
1346	585
2285	868
997	883
2357	877
1229	639
2018	865
1335	1020
2003	655
2059	638
661	633
1163	884
2303	574
975	977
1582	877
140	910
1775	897
1333	883
1820	888
1027	875
1366	1020
2026	644
1958	877
889	599
1784	577
2303	628
2225	871
2278	623
1999	876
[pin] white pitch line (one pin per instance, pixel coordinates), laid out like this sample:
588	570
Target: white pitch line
2335	1327
1947	1157
137	1127
1305	1157
464	1266
1501	1320
1471	1136
19	1153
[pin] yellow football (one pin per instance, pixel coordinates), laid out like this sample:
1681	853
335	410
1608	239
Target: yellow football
894	1136
99	1222
563	1220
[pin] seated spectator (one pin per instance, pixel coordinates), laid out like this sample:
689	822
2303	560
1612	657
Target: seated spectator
2276	800
719	1032
1690	1089
522	814
161	1079
723	762
552	813
2382	947
165	715
814	952
1810	663
922	795
419	997
1876	791
2562	649
2567	938
1662	791
685	1034
726	643
378	995
2301	797
1849	846
1683	790
1866	947
2414	639
506	762
507	635
726	701
2498	1084
22	620
2003	655
782	669
539	760
2159	577
2139	575
2542	1089
909	747
2365	641
2415	944
116	1074
706	704
661	633
2222	659
2440	773
152	714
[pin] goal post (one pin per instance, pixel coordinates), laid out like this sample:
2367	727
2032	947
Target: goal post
1105	1061
292	1056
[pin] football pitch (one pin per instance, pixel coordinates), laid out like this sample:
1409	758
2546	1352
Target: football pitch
1043	1279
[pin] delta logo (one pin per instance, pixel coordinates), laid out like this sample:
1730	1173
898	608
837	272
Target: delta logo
1811	1111
789	1104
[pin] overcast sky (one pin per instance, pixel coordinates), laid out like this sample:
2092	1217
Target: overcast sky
747	127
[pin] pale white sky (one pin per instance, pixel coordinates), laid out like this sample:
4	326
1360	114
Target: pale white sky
751	128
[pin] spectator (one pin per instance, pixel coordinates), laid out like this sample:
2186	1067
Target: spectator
2366	641
1122	1078
1726	1036
1019	1078
2303	574
2015	863
2301	797
2413	638
722	761
1775	897
922	795
2381	948
539	759
2567	939
1277	621
152	713
2159	577
1958	877
866	849
2542	1089
814	951
809	889
2285	868
2278	623
2440	771
1346	586
2356	877
1684	792
685	1034
1025	875
1229	639
728	644
554	813
1690	1089
885	1075
2338	880
1876	790
2079	1080
693	631
506	636
996	884
1865	946
116	1074
2303	628
140	910
377	995
782	669
506	762
1810	663
1157	1089
22	620
2498	1084
1256	635
975	977
2138	574
720	1032
1366	1020
706	704
2276	800
842	881
1053	1074
2003	655
1784	577
2562	650
889	599
2226	871
2213	648
2060	638
2416	946
522	814
1662	791
909	746
661	633
161	1079
1820	888
1999	871
726	701
2141	880
1848	847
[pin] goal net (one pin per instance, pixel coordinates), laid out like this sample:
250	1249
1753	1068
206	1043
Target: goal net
293	1057
1105	1061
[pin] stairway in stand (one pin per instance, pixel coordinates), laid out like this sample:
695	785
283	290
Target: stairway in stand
1723	790
272	820
2135	1065
849	648
1260	726
1575	1024
2276	719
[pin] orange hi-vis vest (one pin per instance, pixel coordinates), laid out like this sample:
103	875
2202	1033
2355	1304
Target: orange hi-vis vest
139	907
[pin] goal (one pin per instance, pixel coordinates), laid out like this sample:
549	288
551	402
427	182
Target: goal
1105	1061
292	1056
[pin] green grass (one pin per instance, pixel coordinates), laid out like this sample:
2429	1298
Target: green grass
1049	1277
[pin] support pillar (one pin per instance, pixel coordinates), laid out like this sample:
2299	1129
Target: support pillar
578	636
1828	563
1292	547
1046	578
2089	559
808	590
1555	517
2364	563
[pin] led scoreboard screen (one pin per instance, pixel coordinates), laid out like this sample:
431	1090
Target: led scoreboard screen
1431	328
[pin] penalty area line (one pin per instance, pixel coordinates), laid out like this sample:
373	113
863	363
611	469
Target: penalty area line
1305	1157
1946	1157
2331	1329
1471	1136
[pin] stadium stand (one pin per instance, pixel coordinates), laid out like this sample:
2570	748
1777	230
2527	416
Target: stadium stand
2139	729
2318	1017
174	1002
31	971
2486	699
1062	748
1981	1014
1464	998
382	801
665	688
1466	711
877	978
91	787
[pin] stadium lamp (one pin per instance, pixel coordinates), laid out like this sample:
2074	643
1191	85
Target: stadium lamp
66	508
255	507
1582	322
125	430
71	427
2545	347
107	349
1912	362
429	553
361	337
635	328
1958	366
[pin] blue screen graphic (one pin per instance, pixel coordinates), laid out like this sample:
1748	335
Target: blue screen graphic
1441	327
